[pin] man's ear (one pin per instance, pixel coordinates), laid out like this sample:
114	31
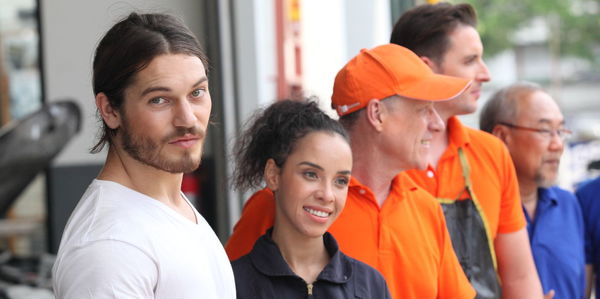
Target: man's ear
431	64
271	175
109	114
375	113
502	133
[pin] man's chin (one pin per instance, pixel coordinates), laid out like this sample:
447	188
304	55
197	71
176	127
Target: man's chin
547	181
183	165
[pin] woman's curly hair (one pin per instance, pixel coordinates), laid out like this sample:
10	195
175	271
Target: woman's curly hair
272	133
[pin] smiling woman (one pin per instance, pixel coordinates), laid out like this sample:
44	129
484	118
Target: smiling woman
305	159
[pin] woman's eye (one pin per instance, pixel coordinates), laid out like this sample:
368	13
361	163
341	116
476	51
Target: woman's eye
198	93
343	181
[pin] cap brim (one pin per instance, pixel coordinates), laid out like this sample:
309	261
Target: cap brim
436	88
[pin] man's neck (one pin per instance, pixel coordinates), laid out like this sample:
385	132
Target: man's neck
529	197
439	142
160	185
373	171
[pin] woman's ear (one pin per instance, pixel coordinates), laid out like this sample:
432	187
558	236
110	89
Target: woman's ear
110	115
375	110
271	175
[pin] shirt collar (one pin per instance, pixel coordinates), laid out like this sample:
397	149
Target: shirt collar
267	259
457	132
547	195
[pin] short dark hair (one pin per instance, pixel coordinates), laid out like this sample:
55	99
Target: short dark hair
128	47
272	133
502	107
424	29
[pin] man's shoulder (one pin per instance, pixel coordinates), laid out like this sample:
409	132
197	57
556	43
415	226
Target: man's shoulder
588	188
563	196
482	139
107	212
560	192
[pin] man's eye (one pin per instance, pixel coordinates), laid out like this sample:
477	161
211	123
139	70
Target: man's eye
158	100
198	93
545	132
310	175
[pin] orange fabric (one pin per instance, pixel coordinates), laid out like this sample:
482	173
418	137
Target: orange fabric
406	239
389	70
492	176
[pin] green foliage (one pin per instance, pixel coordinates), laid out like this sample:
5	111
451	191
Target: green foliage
575	24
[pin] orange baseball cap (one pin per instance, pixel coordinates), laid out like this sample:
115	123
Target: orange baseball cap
389	70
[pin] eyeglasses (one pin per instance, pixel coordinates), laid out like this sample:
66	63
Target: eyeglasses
562	133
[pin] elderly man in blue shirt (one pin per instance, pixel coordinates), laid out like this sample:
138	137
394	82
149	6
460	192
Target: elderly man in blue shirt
532	126
589	198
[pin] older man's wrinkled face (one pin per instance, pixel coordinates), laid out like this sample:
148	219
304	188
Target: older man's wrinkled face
536	155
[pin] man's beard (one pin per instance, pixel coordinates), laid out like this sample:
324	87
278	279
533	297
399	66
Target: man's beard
147	151
545	180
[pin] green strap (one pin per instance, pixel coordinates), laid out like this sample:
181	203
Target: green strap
466	171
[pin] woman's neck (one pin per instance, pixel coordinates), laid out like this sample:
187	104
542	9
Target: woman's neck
306	256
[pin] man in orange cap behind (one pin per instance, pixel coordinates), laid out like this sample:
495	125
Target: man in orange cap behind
388	222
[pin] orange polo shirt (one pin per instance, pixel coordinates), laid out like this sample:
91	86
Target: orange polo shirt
406	239
492	174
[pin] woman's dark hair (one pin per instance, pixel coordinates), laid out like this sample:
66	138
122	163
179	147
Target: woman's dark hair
128	47
272	134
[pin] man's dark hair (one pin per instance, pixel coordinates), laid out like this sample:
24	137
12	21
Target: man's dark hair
273	134
424	29
128	47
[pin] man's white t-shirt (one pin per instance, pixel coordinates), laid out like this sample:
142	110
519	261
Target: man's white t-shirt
120	243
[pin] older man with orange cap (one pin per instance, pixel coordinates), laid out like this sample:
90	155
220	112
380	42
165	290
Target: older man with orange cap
388	222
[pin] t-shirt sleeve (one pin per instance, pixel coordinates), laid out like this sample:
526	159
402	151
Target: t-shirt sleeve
106	269
452	282
257	216
511	217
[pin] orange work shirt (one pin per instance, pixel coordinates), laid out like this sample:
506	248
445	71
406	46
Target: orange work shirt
406	239
492	175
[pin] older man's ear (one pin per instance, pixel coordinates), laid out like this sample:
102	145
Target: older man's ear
501	132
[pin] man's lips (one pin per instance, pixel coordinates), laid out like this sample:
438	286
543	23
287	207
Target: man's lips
185	141
552	161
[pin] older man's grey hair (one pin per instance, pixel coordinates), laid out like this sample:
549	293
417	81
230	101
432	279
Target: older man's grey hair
502	106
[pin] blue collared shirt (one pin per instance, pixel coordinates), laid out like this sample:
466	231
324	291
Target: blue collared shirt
589	198
557	243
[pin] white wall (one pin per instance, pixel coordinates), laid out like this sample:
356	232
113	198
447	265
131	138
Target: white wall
333	32
71	30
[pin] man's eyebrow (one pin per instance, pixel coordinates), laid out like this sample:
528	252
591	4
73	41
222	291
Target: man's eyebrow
154	88
548	121
163	88
202	80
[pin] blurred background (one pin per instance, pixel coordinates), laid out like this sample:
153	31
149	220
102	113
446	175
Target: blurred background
259	51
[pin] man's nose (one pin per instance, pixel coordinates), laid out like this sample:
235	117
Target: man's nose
184	114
